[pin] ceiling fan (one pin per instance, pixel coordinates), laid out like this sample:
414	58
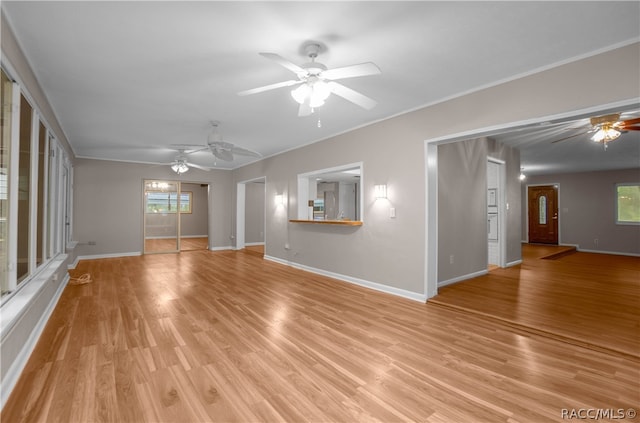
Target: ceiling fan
220	149
316	82
180	165
607	128
226	150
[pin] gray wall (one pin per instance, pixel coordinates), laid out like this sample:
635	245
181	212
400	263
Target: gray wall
462	205
196	222
392	251
587	210
254	213
108	204
462	198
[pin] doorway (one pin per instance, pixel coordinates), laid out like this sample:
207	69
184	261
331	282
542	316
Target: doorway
542	204
194	221
175	216
251	216
496	211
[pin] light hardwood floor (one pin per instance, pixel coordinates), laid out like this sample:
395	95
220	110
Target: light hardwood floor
589	299
227	336
168	244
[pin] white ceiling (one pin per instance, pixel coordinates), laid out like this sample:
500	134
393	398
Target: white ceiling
129	79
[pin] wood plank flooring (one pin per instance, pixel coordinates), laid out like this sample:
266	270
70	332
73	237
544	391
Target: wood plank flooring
585	298
229	337
168	244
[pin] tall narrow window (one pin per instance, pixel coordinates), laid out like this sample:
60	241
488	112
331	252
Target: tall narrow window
40	234
6	93
51	195
24	180
42	148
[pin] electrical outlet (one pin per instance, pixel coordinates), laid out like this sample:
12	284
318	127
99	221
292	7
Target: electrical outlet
451	259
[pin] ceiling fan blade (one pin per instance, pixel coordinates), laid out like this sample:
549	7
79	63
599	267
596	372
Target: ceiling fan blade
270	87
198	166
570	136
283	62
188	148
362	69
305	109
223	154
629	124
245	152
353	96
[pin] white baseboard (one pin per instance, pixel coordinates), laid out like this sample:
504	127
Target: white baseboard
228	247
514	263
102	256
253	244
615	253
462	278
356	281
13	372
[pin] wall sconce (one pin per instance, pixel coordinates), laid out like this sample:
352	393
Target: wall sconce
279	199
380	191
522	176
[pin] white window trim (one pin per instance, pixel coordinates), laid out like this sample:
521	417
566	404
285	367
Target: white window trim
615	199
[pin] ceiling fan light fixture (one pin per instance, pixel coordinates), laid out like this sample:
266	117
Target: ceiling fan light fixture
180	167
315	92
605	134
301	93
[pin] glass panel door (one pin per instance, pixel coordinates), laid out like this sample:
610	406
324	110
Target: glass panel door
161	216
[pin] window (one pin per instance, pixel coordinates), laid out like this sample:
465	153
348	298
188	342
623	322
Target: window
628	204
32	195
40	206
6	94
167	202
24	189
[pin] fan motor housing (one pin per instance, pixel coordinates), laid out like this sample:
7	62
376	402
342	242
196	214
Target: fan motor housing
610	119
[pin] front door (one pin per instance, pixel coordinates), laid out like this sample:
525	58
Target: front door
543	214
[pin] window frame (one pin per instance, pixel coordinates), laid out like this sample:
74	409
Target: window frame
617	203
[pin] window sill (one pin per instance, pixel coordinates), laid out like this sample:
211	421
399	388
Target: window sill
19	302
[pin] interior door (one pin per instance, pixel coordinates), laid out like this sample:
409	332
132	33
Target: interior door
543	214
